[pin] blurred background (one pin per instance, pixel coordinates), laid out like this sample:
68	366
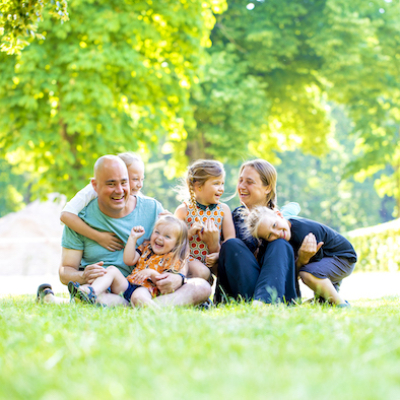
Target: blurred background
311	86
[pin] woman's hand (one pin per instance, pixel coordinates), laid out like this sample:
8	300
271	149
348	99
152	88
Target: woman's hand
137	232
210	236
308	249
109	241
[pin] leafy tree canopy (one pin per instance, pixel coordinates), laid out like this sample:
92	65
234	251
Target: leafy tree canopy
19	21
116	77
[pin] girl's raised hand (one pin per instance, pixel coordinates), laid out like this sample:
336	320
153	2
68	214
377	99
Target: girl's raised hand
137	232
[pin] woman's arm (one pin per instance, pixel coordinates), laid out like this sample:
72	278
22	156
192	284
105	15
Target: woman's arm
131	256
106	239
228	228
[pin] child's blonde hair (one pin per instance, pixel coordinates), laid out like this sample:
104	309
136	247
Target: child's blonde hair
268	177
180	252
129	158
254	218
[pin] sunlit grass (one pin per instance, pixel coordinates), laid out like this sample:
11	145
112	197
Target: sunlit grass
236	351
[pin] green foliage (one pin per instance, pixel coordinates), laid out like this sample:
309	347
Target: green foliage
370	88
19	21
377	247
232	352
11	188
317	184
115	78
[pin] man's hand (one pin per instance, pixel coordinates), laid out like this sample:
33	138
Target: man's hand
167	282
210	235
109	241
93	271
308	249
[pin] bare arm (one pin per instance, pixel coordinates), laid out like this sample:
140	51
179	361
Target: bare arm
181	212
307	250
69	268
106	239
228	228
131	256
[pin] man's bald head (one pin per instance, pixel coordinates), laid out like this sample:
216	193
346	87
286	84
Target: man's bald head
111	182
106	162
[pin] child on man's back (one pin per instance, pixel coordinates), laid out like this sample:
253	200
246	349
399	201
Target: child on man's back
328	257
69	215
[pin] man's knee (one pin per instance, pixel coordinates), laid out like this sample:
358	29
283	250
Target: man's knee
200	290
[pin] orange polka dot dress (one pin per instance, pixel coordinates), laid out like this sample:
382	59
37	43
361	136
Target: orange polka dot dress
160	262
198	249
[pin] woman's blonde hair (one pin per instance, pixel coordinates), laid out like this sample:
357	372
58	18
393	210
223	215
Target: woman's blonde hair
129	158
254	218
180	252
268	177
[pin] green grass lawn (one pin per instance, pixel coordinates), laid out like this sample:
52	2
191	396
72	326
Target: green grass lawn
233	352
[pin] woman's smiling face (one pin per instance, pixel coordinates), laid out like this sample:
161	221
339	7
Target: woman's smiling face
250	188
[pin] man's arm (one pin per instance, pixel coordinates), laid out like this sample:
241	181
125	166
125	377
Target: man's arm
69	268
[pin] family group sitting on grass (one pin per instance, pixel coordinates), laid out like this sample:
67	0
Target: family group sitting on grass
121	247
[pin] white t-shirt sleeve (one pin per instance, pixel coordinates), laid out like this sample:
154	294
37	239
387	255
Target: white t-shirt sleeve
81	200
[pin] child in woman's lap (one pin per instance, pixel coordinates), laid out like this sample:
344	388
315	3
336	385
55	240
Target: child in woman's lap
205	216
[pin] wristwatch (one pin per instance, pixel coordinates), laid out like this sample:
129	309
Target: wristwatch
184	279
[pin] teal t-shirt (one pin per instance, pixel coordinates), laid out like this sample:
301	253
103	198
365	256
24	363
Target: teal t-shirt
145	214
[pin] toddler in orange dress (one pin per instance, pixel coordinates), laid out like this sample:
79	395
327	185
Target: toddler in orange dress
167	251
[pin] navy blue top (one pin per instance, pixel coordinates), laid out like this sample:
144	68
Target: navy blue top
334	243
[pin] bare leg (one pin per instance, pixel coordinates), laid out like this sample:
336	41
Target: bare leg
113	278
141	297
198	270
111	300
322	287
196	291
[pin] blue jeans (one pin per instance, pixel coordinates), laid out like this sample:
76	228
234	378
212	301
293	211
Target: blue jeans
269	279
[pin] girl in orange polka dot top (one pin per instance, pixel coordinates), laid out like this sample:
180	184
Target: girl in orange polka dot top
206	217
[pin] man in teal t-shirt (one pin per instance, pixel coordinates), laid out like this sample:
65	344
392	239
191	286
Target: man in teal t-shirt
116	211
145	214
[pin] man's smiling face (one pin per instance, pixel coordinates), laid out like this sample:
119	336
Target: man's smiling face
111	183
